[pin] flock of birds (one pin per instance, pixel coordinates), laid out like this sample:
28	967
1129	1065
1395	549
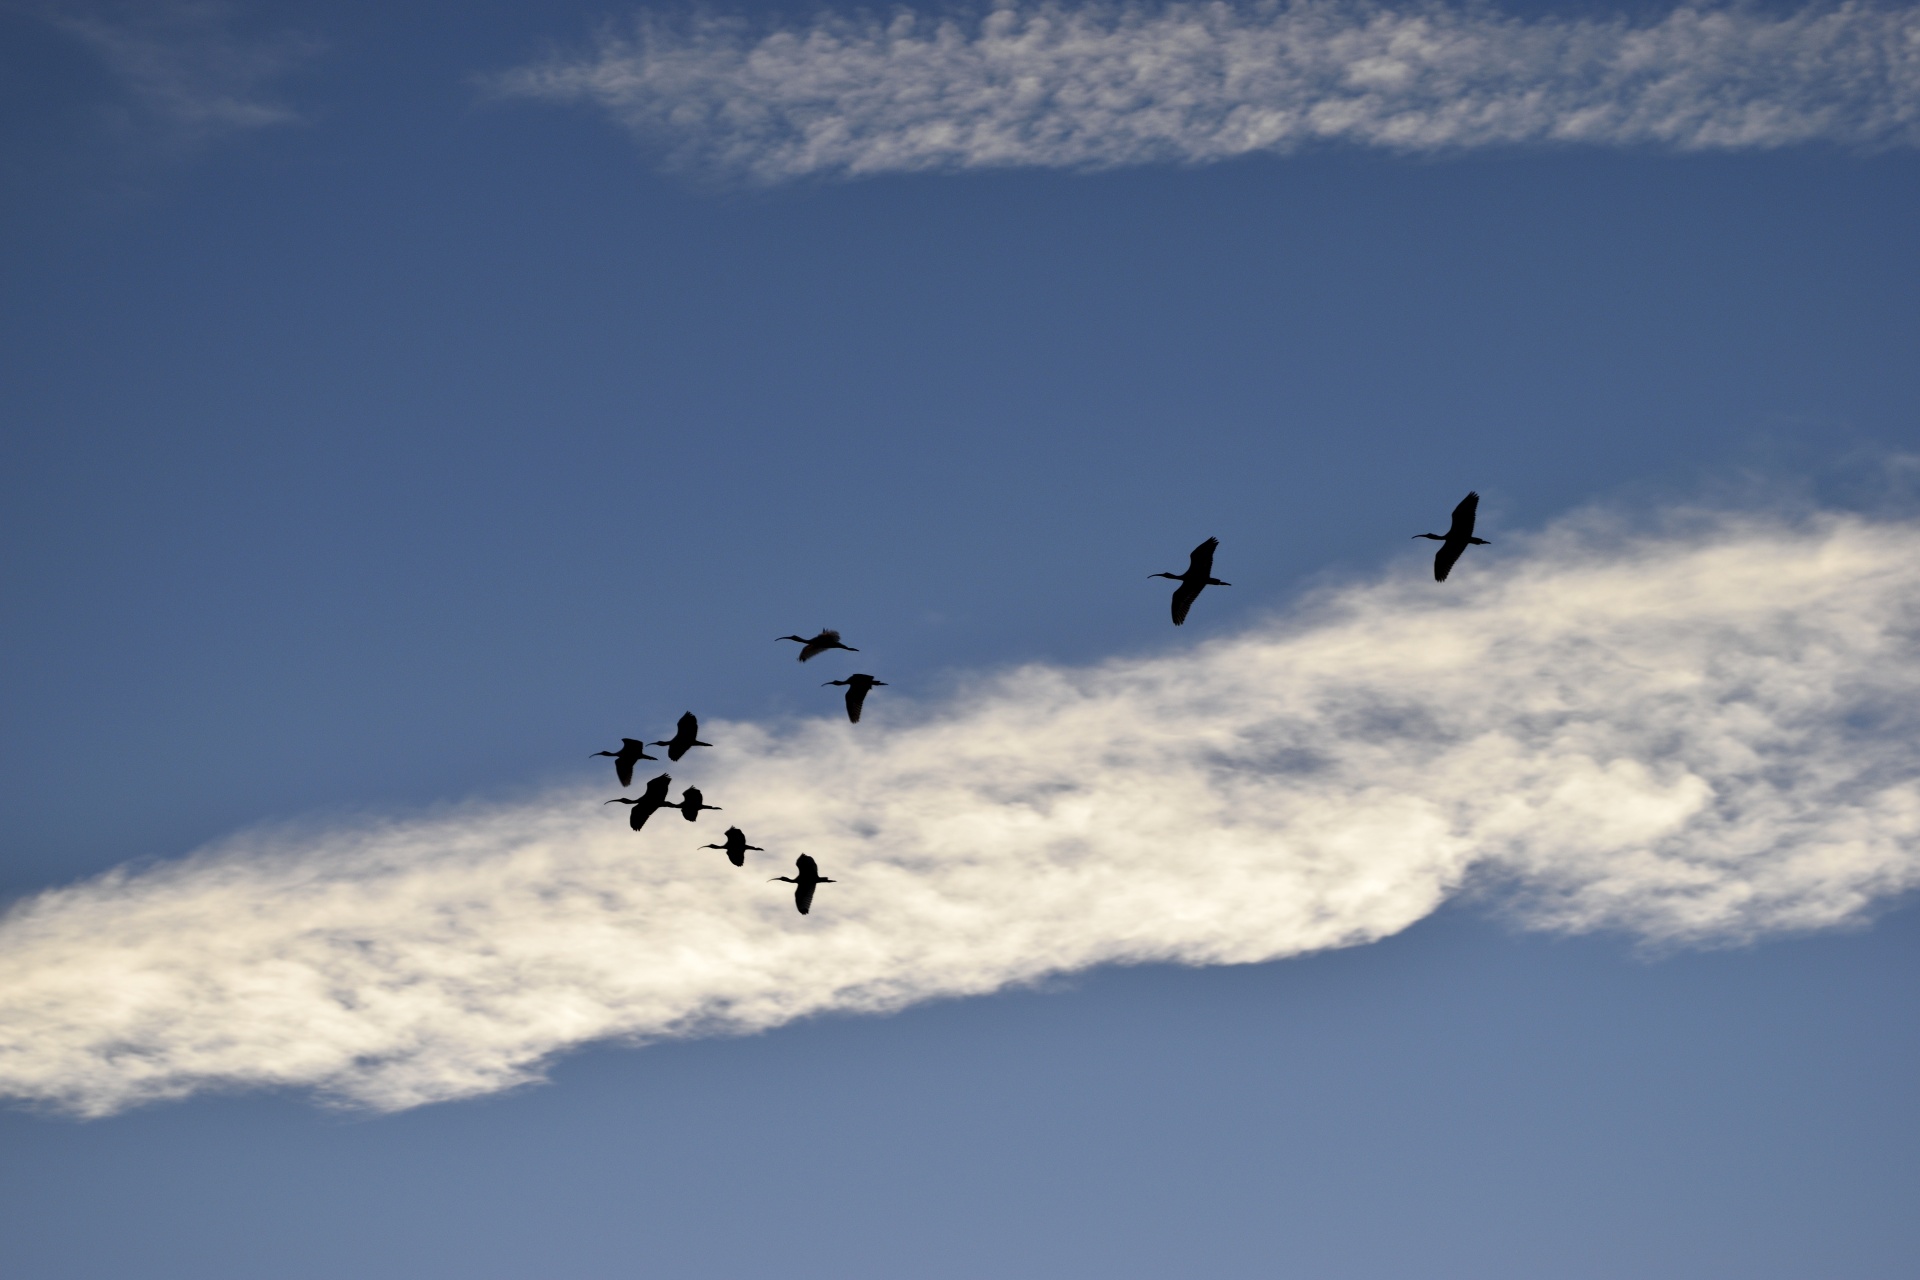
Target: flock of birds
692	802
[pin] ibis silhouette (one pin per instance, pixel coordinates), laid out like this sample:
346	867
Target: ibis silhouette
1197	578
858	686
685	736
803	883
817	645
692	803
630	752
1457	538
736	846
649	803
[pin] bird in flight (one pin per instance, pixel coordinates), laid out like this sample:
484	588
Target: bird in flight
817	645
803	883
685	736
736	847
649	803
692	803
1457	538
857	687
630	752
1197	578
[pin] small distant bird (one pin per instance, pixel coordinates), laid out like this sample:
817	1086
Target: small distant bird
736	847
1197	578
692	803
685	736
624	759
804	882
857	687
1457	538
648	804
813	648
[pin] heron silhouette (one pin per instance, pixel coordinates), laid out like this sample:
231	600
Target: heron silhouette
817	645
1457	538
736	846
648	803
692	803
803	883
630	752
858	686
1197	578
686	735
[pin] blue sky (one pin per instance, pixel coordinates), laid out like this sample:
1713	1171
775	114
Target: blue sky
393	421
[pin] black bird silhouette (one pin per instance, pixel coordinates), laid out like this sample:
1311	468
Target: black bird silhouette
813	648
1197	578
692	803
685	736
623	760
736	847
857	687
1457	538
804	882
648	804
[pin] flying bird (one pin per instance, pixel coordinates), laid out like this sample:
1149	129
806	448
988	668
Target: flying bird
624	759
1457	538
1197	578
813	648
685	736
651	802
692	803
857	687
803	883
736	847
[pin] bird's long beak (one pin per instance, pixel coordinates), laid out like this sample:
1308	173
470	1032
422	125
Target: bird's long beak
615	800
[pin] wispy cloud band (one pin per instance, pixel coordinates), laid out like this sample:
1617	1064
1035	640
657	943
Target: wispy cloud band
1697	737
186	64
1093	86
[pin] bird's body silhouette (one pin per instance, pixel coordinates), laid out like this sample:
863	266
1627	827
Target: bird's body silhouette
858	686
813	647
803	883
649	803
736	846
1197	578
686	735
630	753
692	803
1457	538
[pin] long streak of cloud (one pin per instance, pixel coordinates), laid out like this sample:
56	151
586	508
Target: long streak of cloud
186	64
1694	737
1095	85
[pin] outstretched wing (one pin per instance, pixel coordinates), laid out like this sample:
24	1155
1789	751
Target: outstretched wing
808	868
1462	527
803	896
641	812
1200	563
1184	595
623	767
856	699
689	727
1443	559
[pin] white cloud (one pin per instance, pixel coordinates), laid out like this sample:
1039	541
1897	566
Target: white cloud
1093	86
1697	737
186	64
